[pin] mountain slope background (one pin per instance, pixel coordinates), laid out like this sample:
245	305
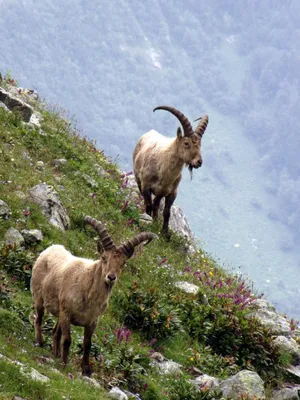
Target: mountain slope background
110	64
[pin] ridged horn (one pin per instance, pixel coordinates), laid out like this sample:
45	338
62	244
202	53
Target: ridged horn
187	127
101	230
199	131
129	245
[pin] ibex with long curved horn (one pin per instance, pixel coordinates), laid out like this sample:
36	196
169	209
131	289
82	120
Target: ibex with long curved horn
77	290
158	162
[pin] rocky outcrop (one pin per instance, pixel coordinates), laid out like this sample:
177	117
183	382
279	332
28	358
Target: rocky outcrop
286	394
16	105
268	317
178	222
47	198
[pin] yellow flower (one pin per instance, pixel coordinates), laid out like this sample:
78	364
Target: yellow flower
211	273
192	358
297	339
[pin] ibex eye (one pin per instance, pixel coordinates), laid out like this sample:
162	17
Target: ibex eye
186	144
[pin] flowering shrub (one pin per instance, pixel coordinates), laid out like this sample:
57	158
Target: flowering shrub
150	312
17	263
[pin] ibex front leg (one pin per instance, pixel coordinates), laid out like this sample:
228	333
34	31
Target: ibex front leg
87	344
148	201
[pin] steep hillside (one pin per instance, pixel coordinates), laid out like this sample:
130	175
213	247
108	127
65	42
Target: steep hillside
153	318
112	62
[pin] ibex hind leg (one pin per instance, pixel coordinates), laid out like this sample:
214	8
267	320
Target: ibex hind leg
40	310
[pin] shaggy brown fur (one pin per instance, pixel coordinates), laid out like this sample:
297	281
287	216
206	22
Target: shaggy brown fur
158	163
77	290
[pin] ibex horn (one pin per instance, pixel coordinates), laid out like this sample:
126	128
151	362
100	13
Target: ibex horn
187	127
129	245
199	131
101	230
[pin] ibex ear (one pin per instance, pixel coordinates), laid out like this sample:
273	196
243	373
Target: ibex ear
179	133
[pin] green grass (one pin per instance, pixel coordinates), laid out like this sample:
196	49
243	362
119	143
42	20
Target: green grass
216	338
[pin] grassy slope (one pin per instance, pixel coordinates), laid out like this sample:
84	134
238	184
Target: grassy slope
215	338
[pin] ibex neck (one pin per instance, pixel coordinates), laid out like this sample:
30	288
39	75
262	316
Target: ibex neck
175	163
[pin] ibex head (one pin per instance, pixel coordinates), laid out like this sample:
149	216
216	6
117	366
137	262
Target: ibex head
189	149
114	257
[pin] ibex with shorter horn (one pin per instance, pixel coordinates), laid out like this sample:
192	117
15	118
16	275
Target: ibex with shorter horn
77	290
158	162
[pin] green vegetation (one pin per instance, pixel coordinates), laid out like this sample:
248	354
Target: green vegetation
147	312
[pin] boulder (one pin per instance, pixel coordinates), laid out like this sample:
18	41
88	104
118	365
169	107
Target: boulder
288	346
47	198
14	238
244	383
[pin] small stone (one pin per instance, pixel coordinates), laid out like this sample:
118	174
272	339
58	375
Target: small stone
187	287
32	236
91	381
40	165
206	381
59	162
5	211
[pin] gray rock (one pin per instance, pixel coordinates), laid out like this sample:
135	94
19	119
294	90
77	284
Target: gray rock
27	371
132	396
40	165
168	367
5	211
268	317
145	218
91	381
13	237
16	105
285	394
117	393
243	383
59	161
294	371
157	356
206	381
187	287
35	121
287	345
33	374
178	222
2	105
47	198
101	171
90	181
32	236
20	194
